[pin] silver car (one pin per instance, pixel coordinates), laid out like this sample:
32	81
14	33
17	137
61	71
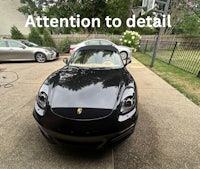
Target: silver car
17	50
123	50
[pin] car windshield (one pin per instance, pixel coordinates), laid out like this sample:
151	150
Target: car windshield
96	58
29	44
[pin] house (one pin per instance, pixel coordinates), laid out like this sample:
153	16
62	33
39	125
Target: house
10	16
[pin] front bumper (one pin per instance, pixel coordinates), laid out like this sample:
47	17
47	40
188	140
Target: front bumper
90	141
57	54
51	56
97	133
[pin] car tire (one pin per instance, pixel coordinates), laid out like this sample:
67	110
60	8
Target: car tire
40	57
124	55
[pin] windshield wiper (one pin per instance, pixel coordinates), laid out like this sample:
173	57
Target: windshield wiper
73	67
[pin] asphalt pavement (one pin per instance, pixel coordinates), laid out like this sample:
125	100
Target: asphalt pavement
167	134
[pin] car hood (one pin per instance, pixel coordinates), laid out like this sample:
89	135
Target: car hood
49	48
80	88
42	47
95	92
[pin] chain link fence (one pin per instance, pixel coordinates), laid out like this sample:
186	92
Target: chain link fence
183	55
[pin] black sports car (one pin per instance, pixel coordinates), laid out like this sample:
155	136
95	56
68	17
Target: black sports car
90	101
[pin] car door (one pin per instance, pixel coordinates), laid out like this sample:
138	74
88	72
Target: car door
4	51
18	51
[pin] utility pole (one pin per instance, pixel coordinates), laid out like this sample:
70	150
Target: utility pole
163	12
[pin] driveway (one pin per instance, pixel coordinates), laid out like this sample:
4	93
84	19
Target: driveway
167	134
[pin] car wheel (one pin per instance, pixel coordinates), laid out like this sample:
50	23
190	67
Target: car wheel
124	55
40	57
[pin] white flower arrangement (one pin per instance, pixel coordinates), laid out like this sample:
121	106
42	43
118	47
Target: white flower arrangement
131	39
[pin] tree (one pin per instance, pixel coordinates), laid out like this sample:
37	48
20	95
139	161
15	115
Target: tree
16	34
86	9
35	37
65	9
189	26
47	39
181	9
32	7
118	9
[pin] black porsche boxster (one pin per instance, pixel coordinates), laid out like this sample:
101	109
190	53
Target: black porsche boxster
90	101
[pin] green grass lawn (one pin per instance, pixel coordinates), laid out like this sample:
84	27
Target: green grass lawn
185	82
188	60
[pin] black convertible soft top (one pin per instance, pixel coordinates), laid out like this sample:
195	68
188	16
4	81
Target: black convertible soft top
99	47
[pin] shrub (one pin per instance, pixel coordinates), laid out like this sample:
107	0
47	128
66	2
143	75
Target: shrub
64	45
16	34
47	39
35	37
131	39
116	41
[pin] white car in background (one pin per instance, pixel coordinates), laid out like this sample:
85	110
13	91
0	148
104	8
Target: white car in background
123	50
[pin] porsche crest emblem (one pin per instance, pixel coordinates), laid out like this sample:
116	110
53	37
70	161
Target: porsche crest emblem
79	111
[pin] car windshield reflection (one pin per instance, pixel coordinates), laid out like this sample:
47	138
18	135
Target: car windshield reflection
96	59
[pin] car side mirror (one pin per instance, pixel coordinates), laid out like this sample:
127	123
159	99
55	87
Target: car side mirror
65	60
127	61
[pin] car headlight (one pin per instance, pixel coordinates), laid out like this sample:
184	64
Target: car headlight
128	102
48	51
42	100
